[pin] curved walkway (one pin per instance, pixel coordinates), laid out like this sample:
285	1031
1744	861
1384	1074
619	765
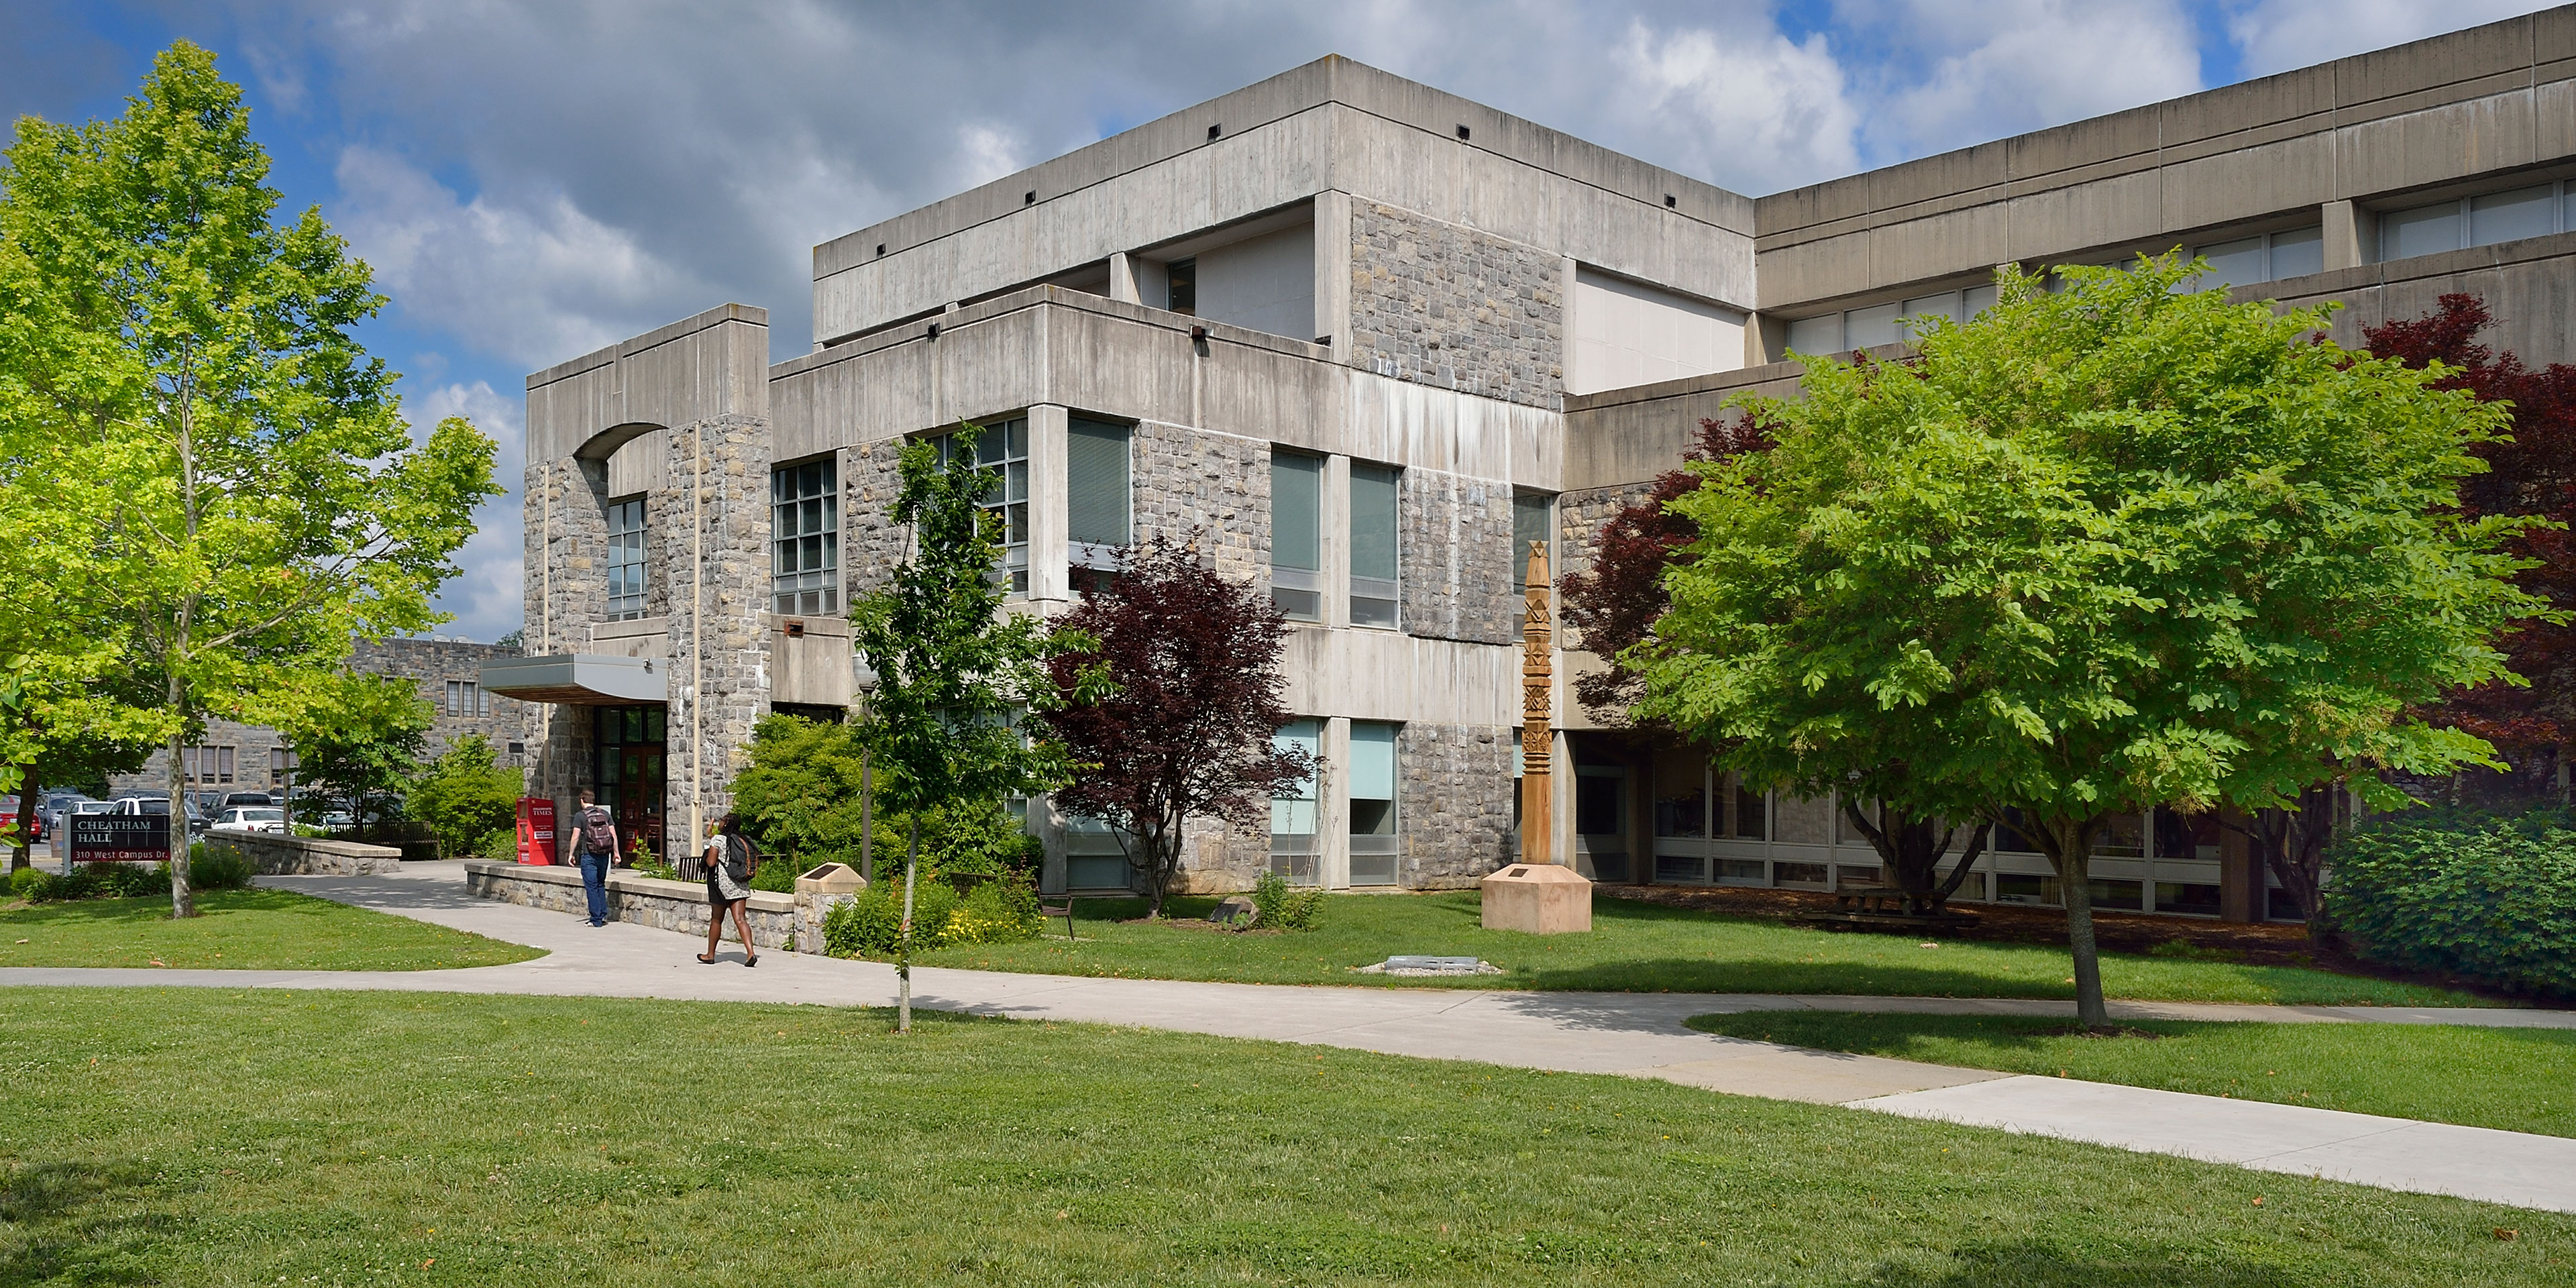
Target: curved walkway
1633	1034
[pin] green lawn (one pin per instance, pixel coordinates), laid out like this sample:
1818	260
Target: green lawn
241	930
1643	947
189	1136
2514	1079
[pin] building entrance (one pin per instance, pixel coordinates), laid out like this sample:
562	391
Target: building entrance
629	741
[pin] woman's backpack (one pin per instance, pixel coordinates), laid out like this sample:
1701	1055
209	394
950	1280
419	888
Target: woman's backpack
742	860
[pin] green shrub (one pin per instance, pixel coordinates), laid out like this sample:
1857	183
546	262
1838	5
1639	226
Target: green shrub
997	911
501	844
465	796
2488	897
1283	906
215	870
99	881
22	881
870	924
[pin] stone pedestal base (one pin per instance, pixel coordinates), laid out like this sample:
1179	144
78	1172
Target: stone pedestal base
1538	899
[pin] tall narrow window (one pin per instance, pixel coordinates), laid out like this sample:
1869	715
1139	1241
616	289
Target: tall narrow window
1095	493
1181	294
1002	451
1296	535
1292	817
805	538
1374	844
1374	553
625	559
1533	519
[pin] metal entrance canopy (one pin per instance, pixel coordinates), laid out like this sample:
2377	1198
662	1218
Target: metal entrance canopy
577	679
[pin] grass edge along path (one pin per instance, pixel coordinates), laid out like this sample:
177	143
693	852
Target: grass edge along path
255	929
2510	1079
185	1135
1643	947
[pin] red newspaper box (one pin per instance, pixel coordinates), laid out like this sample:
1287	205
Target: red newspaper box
536	830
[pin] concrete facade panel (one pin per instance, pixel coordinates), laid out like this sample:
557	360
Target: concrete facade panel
2119	137
2069	220
2288	98
2436	145
1385	675
2433	63
1919	248
2249	183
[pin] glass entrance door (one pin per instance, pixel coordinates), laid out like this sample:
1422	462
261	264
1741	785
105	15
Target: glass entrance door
630	745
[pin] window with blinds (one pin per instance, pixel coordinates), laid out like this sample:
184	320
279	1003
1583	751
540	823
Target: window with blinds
1375	586
1533	519
207	764
1297	535
805	538
626	559
1293	816
1096	495
1374	840
466	698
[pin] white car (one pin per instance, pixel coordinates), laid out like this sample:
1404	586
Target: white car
251	818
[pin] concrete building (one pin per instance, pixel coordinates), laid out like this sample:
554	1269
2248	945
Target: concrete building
234	757
1369	339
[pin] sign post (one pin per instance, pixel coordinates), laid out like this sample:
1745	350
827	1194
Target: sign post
536	831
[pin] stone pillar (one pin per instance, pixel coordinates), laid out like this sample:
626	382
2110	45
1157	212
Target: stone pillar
564	508
1122	279
716	551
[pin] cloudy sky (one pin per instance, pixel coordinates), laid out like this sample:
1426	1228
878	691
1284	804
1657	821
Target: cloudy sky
531	181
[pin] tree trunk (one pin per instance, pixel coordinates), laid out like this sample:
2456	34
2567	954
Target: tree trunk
29	791
2073	841
183	901
1912	852
903	935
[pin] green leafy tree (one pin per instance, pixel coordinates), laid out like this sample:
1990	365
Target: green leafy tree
2106	548
954	671
801	795
465	795
359	737
235	456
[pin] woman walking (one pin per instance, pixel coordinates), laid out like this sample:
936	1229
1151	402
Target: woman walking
731	860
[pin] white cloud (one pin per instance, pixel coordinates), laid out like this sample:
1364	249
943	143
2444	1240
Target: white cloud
2004	67
536	280
2280	35
485	597
1755	107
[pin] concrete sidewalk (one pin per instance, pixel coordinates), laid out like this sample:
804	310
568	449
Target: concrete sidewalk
1632	1034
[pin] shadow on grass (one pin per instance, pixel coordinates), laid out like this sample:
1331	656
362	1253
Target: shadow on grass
1748	974
66	1225
2037	1264
156	908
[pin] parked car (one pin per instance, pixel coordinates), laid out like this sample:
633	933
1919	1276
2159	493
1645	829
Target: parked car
338	818
62	814
253	799
154	805
251	818
9	819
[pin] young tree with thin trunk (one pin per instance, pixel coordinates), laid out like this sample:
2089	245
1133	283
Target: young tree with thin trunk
1188	730
954	671
233	458
2103	549
359	737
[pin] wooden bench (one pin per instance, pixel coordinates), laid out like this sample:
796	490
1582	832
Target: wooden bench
1060	905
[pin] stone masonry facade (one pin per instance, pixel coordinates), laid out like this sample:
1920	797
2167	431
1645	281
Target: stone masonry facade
1212	488
1454	803
872	543
1441	304
1456	542
719	499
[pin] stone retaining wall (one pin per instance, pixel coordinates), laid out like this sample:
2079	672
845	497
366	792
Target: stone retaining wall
272	854
643	900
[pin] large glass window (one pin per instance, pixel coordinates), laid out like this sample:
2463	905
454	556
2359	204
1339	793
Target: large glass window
1002	451
805	538
1296	535
625	559
1292	817
1373	803
2265	257
1097	504
1533	519
1375	556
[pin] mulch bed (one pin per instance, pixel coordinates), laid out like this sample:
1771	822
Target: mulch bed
2132	932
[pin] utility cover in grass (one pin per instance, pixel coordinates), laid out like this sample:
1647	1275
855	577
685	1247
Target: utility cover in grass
1432	966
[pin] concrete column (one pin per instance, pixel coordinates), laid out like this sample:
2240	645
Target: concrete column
1333	272
1336	538
1561	794
1122	279
1049	579
1333	806
1050	830
2349	232
1766	339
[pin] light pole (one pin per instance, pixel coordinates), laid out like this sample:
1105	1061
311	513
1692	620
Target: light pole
864	678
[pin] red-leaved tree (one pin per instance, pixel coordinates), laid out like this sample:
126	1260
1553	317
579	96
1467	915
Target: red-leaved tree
2532	474
1187	730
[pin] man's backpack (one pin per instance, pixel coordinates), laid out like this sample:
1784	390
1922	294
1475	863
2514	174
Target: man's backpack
596	834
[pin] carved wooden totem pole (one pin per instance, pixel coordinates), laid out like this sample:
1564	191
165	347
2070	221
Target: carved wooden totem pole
1538	710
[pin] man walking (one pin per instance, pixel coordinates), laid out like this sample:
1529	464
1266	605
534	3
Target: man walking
596	850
